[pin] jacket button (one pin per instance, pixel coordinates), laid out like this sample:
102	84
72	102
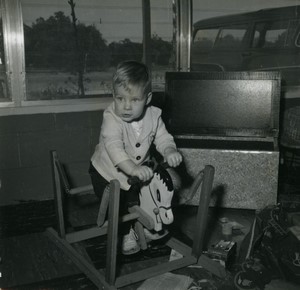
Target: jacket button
137	145
138	157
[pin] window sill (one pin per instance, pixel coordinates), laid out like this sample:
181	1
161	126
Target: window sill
54	106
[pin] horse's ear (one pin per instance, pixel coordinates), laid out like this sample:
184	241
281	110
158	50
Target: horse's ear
164	174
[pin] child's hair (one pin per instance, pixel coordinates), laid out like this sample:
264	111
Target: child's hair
132	73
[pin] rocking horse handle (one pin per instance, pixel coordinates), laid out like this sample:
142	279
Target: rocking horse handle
134	179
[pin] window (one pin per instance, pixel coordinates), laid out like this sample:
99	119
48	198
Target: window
270	34
231	37
205	39
66	51
72	47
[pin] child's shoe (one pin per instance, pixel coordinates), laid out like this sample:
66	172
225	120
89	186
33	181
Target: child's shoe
154	235
129	243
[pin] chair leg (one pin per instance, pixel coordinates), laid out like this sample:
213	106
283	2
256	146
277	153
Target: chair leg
202	214
58	196
112	232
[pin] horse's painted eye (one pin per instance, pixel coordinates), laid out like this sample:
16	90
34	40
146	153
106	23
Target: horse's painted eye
158	194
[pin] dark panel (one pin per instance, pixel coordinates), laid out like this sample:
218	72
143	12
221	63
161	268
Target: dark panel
95	118
66	121
35	147
223	104
9	153
26	123
94	139
25	143
25	184
72	145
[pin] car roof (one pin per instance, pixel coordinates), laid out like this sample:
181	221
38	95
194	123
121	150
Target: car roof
263	14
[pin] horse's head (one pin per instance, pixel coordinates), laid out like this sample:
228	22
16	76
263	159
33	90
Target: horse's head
156	197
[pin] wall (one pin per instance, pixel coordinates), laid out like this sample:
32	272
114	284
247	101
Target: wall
25	144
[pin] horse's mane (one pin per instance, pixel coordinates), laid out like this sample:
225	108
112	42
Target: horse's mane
164	176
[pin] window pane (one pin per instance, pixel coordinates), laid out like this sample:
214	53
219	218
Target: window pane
162	42
205	39
231	37
75	59
271	34
276	35
3	81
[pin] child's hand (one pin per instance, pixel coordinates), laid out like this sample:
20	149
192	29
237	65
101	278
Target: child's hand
173	158
144	173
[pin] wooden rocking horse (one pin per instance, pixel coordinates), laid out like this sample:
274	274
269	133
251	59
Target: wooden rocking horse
156	197
160	194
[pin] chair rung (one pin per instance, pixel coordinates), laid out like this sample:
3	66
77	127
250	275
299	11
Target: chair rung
96	231
86	234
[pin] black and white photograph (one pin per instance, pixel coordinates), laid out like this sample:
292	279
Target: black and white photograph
150	144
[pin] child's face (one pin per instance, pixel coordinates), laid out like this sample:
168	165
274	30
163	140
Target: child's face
130	103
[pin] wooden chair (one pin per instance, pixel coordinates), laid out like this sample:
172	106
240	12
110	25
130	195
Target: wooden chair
109	280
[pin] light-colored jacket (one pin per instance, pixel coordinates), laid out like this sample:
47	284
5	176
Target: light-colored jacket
118	142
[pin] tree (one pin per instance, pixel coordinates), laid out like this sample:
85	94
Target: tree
125	50
93	47
79	54
161	50
50	44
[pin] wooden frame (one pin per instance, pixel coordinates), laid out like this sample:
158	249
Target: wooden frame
110	281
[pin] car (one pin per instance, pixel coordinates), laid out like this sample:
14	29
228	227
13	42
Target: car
263	40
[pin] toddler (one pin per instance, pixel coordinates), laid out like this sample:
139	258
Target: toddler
130	126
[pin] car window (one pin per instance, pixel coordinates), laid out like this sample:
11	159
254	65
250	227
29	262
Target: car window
205	38
270	34
231	37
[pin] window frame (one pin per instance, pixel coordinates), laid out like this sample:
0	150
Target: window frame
15	63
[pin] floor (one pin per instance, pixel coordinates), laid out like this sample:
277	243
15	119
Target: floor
29	260
32	261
